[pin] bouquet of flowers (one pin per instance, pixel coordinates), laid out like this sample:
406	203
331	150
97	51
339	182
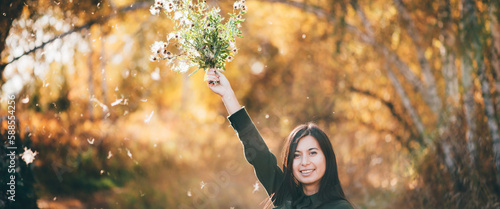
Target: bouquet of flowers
200	38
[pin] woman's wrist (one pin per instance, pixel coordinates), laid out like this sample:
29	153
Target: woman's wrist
231	102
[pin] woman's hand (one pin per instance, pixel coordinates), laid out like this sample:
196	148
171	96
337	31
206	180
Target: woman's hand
219	84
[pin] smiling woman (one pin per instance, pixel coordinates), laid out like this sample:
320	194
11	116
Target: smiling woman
309	164
309	178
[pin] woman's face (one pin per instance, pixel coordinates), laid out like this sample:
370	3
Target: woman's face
309	163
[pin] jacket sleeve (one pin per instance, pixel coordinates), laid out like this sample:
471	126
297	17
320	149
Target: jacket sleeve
256	151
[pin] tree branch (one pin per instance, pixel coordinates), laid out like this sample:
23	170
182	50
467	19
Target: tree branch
133	7
389	106
318	11
362	16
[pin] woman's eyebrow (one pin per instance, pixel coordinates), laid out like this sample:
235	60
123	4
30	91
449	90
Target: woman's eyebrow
310	149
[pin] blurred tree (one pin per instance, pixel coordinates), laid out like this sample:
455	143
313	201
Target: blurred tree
11	10
425	34
87	13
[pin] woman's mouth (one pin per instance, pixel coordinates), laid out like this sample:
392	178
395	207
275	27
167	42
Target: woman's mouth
306	173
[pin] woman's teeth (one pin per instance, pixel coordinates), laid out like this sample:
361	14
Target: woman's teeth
306	171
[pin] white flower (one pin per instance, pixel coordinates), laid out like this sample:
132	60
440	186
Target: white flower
169	6
182	67
236	5
152	58
178	15
187	22
196	54
166	53
157	47
182	41
230	58
171	36
154	10
160	3
232	44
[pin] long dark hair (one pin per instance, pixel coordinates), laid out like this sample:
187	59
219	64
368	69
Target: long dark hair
330	188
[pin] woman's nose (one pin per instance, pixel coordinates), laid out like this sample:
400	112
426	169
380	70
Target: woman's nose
305	160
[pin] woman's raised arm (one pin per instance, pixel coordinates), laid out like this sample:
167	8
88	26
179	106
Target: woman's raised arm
256	151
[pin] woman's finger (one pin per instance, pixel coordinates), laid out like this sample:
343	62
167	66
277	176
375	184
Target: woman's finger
212	71
212	78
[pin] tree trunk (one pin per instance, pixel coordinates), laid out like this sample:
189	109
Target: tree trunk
467	24
90	81
102	58
449	69
473	31
495	65
490	114
407	104
429	80
495	54
450	164
452	98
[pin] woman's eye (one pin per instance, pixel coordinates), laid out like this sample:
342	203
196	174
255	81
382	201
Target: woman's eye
296	155
313	153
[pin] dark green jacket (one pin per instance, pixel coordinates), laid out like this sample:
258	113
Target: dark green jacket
266	167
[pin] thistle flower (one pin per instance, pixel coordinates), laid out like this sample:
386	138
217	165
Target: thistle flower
154	10
171	36
166	53
157	47
169	7
187	22
159	3
178	15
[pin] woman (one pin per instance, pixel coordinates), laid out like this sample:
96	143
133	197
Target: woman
309	178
